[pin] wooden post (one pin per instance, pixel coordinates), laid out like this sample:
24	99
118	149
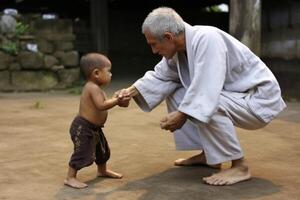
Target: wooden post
99	25
245	23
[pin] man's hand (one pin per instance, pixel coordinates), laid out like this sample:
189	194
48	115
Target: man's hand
173	121
124	95
123	98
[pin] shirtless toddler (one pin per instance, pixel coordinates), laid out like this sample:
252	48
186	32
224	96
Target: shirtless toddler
90	144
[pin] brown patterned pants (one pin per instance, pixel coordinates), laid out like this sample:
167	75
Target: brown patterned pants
90	144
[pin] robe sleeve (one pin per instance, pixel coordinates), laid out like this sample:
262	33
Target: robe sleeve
202	96
156	85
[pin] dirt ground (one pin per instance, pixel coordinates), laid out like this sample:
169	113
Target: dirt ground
35	147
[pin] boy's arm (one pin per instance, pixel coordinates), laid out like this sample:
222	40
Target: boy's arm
98	97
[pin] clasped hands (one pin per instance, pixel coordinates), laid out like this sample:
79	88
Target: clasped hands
123	97
170	122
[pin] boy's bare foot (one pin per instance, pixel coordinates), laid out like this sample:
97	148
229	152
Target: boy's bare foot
229	176
195	160
110	174
74	183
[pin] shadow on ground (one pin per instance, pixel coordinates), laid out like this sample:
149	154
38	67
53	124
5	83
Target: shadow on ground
175	183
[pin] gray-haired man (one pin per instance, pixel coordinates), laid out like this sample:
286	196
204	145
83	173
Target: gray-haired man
211	83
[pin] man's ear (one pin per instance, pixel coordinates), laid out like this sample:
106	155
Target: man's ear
168	36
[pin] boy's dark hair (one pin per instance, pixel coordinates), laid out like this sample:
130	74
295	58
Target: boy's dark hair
91	61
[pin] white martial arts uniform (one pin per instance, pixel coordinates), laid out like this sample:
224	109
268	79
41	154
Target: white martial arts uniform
219	83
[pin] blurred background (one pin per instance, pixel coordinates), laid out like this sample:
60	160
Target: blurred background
41	41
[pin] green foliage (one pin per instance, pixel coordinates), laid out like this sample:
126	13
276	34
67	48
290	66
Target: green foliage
11	44
38	105
21	29
214	8
10	47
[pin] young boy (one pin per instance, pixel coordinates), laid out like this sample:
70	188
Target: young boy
86	129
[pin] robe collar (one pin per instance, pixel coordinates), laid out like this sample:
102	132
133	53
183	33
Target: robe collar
186	71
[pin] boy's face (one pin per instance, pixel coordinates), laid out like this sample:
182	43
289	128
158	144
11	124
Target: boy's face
103	75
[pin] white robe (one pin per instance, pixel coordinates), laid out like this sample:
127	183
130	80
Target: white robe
218	84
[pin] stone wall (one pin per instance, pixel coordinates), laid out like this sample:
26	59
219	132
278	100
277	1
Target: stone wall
281	30
281	43
43	58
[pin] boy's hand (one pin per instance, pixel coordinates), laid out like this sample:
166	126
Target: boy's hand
124	101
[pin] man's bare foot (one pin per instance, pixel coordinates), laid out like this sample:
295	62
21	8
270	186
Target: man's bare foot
229	176
195	160
110	174
74	183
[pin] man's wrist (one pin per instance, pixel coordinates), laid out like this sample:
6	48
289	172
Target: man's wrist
132	91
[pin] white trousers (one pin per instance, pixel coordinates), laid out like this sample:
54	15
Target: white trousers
217	138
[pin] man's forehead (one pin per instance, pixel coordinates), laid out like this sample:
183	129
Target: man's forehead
150	38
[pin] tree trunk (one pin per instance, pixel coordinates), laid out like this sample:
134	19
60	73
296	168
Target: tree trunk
99	25
245	23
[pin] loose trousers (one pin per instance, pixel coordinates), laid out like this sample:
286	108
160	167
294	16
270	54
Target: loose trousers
217	138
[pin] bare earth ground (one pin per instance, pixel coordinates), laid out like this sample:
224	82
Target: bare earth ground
35	147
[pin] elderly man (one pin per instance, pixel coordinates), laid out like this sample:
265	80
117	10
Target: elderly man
211	82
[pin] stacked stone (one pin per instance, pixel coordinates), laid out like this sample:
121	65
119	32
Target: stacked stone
52	63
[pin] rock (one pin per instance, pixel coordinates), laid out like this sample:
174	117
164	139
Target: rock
33	80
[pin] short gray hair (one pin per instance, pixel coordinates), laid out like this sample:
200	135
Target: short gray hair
161	20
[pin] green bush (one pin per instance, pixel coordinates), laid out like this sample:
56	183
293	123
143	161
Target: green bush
21	29
10	47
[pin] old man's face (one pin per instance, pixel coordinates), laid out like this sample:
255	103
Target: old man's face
164	47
